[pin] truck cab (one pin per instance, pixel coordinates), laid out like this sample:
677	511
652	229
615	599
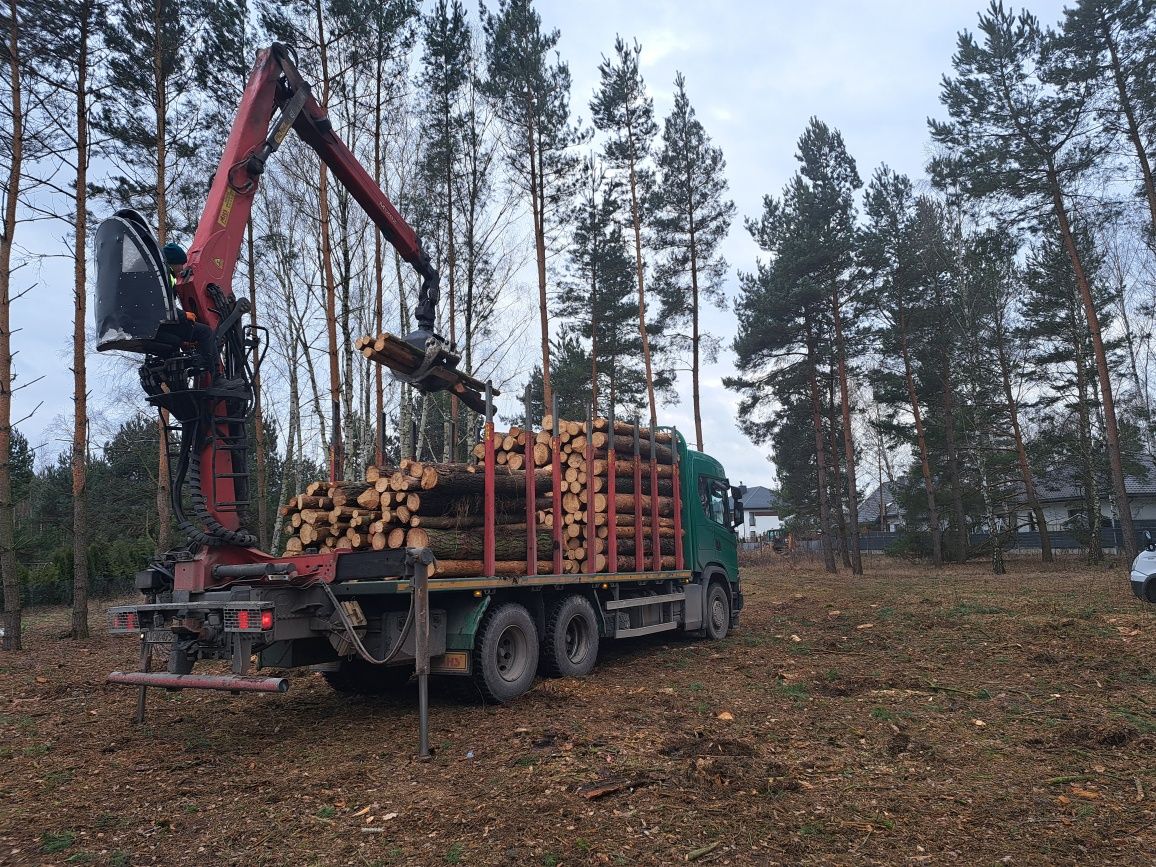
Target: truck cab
712	508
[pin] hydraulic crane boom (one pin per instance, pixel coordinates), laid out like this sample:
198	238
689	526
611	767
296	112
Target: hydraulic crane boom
275	84
196	367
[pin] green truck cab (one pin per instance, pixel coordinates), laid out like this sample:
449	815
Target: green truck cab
502	631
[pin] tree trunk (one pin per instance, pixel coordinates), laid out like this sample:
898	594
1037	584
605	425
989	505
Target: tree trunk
164	495
820	454
1129	111
1111	430
538	209
258	411
1088	460
378	282
1021	452
8	569
636	220
836	478
79	362
336	457
957	516
921	440
848	436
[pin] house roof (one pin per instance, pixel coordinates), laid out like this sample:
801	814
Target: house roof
869	508
1067	485
760	499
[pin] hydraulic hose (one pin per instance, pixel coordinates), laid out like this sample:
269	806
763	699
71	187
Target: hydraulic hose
356	639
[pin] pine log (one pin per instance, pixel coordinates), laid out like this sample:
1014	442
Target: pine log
468	568
302	501
509	543
626	564
369	498
395	538
625	484
293	545
625	467
626	546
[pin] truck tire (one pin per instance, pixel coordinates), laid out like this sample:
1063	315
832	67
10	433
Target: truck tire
506	653
358	677
716	612
570	645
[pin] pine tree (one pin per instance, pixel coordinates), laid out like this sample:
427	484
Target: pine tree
624	111
444	78
889	259
994	282
13	78
69	52
1022	135
599	300
1063	360
1113	46
531	96
691	219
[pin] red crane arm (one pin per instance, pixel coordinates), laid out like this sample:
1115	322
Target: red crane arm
276	84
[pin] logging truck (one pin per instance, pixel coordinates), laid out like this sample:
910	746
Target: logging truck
521	561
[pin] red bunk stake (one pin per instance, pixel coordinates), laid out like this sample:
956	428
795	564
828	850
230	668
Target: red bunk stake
655	548
639	559
591	532
531	497
488	541
556	480
611	504
676	479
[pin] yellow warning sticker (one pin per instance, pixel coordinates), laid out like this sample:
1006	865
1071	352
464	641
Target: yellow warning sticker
226	208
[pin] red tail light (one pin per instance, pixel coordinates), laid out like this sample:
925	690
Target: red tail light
267	619
123	621
243	619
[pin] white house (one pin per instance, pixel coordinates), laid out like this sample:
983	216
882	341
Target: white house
762	514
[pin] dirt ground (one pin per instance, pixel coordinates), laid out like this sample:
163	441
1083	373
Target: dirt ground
910	716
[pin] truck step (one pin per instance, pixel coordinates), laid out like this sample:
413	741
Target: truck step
636	601
644	630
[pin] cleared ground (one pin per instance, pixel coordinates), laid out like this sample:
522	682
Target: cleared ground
910	716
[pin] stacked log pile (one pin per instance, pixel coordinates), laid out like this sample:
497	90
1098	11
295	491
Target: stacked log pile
441	505
592	507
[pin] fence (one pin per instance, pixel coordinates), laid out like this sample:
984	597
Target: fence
1111	539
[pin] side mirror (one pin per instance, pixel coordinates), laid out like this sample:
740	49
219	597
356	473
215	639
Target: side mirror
737	493
1148	543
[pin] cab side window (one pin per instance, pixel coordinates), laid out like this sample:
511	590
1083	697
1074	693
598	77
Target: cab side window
713	494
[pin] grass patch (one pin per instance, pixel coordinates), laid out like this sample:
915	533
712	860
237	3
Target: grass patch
454	853
119	859
56	842
326	813
968	609
882	713
795	691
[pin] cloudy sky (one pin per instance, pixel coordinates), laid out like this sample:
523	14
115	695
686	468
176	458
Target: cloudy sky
756	72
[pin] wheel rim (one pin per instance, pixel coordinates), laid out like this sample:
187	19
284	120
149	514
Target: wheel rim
577	639
718	613
512	654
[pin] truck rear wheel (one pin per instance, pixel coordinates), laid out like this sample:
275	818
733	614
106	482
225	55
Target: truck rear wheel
570	646
506	653
358	677
716	612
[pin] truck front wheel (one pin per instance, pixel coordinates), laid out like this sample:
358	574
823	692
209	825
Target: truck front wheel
716	612
506	653
570	647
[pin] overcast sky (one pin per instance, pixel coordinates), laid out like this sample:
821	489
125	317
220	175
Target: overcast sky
756	72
